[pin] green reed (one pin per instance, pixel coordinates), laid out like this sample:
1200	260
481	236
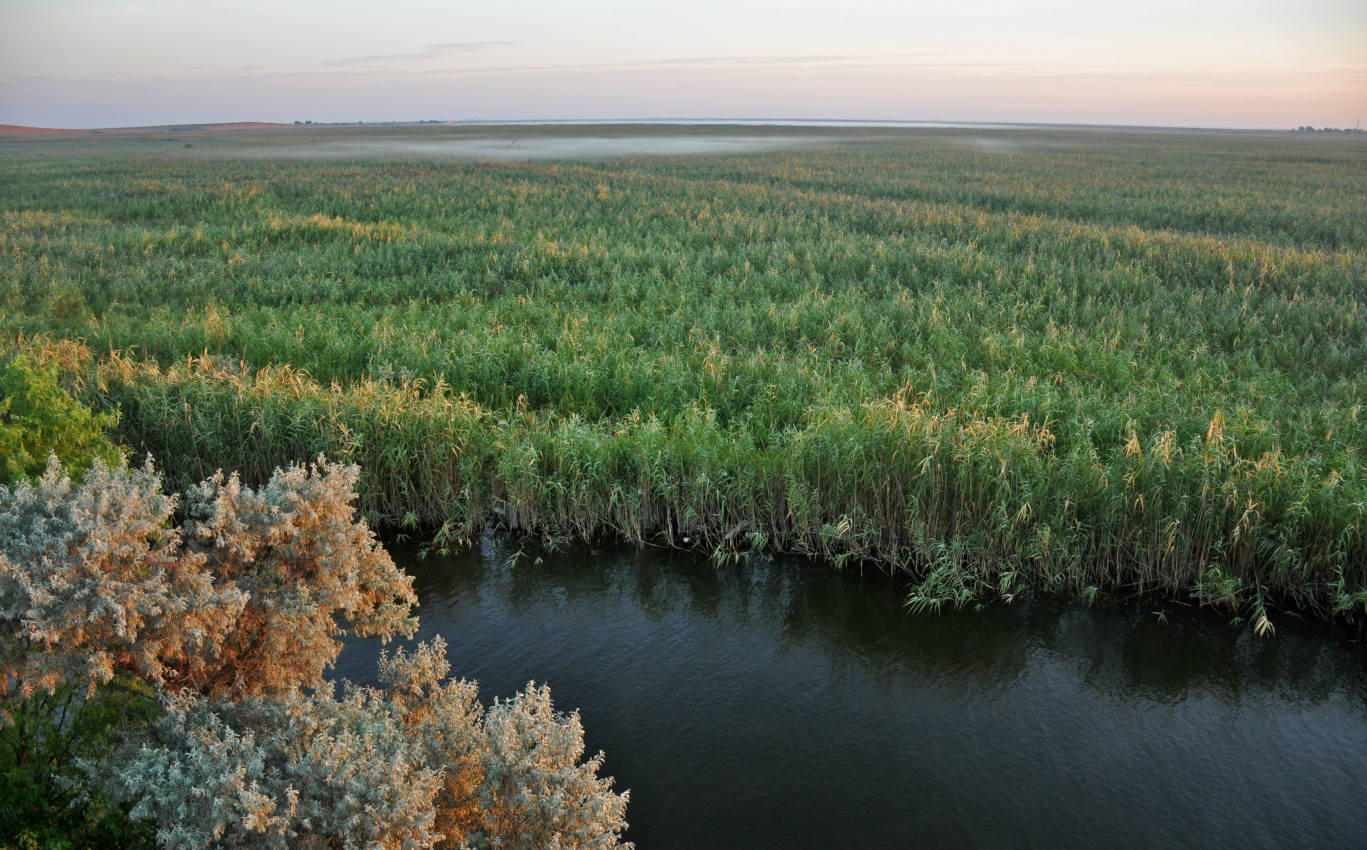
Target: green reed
1078	361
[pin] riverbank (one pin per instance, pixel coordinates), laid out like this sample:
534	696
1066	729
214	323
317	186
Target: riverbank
966	506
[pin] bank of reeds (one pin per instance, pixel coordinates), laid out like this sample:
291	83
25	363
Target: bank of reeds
974	506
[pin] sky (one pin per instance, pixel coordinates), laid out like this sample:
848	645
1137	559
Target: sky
1206	63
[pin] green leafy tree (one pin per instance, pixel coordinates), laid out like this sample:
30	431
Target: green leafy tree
38	418
45	800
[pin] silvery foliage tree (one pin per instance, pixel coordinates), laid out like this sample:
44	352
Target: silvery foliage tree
243	599
233	617
410	763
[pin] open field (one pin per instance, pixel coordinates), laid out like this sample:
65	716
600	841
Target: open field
1079	360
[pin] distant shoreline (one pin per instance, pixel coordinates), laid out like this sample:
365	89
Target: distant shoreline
24	130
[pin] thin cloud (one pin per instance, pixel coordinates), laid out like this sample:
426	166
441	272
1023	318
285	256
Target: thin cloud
432	51
680	62
378	66
1259	73
451	49
872	61
755	60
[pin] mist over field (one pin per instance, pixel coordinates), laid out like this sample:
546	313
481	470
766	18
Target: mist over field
513	148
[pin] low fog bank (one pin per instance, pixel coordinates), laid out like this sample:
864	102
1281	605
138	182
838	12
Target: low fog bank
585	147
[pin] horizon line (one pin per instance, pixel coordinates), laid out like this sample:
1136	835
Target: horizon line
679	120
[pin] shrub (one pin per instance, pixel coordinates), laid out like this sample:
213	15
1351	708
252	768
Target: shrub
38	418
243	599
193	656
412	763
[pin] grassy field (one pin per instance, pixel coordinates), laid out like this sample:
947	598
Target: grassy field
1078	360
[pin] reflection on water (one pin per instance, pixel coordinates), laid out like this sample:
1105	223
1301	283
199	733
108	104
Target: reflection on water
786	705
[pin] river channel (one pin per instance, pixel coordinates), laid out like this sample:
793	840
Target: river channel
783	704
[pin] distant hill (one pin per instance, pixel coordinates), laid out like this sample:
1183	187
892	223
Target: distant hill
21	130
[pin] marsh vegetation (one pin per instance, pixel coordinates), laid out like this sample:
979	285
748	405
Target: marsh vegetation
1080	361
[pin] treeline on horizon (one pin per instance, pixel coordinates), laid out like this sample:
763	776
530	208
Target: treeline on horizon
1308	129
1083	362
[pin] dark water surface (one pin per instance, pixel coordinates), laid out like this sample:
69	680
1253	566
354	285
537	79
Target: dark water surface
787	705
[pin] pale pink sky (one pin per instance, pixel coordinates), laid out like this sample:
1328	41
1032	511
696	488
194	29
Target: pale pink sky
1253	63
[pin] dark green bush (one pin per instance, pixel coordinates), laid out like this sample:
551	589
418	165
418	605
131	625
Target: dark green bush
38	418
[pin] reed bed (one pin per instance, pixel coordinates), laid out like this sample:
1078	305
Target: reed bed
1084	362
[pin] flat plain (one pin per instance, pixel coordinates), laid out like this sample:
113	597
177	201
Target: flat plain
1101	362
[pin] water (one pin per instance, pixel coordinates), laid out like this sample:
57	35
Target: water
786	705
